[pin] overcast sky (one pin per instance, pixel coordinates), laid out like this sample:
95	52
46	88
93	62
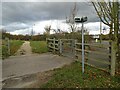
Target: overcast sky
19	17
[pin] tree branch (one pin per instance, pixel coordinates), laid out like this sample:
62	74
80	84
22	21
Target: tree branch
99	14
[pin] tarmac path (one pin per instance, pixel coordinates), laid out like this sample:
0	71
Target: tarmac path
28	63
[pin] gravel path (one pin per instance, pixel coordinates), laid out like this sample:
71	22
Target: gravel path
25	49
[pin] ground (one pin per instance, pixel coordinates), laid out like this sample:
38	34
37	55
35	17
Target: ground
26	64
34	70
25	49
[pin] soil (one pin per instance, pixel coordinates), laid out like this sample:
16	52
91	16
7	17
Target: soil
42	78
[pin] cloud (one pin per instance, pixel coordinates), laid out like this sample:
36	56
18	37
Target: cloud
36	11
15	26
18	16
22	31
95	26
38	27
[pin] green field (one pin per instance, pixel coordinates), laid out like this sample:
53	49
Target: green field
39	46
14	46
71	77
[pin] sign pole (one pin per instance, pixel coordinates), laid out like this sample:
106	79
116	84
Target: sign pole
82	20
82	47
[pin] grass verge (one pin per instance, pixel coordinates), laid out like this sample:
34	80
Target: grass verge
14	46
39	46
71	77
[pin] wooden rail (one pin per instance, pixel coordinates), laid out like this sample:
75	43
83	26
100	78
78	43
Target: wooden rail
57	46
95	45
95	52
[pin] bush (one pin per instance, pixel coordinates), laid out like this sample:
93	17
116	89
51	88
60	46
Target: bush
5	53
14	46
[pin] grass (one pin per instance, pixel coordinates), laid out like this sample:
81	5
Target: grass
71	77
39	46
14	46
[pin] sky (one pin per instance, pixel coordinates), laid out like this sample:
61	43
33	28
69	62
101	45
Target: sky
22	17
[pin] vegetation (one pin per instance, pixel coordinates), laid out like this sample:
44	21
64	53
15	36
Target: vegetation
38	46
57	35
14	46
71	77
108	13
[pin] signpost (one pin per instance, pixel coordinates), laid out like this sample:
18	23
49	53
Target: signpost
82	20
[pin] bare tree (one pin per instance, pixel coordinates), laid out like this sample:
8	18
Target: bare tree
47	29
70	19
108	12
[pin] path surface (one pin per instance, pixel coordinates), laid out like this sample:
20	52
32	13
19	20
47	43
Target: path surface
25	49
18	66
30	64
25	63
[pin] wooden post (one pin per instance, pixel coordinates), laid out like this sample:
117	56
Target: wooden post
54	45
73	46
75	53
113	58
86	53
60	46
8	46
47	41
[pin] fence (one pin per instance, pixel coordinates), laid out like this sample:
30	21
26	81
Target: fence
93	55
97	55
53	45
63	47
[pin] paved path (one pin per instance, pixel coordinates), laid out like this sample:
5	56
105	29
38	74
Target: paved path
25	63
29	64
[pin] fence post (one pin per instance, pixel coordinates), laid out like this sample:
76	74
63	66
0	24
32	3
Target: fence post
86	53
73	46
75	53
60	46
8	46
113	58
54	45
47	39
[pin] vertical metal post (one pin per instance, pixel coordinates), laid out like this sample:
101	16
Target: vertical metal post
82	48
